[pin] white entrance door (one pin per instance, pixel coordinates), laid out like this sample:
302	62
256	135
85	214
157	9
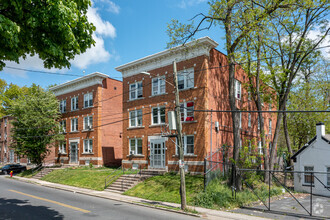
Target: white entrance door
157	154
73	152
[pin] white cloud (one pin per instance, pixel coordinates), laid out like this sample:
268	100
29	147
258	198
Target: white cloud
112	7
104	28
188	3
315	35
97	54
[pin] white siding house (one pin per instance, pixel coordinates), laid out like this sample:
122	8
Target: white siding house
314	157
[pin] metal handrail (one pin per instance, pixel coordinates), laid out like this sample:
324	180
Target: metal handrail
111	174
138	172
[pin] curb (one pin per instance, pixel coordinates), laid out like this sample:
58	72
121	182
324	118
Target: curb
105	197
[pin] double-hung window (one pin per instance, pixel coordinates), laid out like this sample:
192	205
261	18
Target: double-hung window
135	118
158	85
62	147
74	124
88	122
260	148
249	120
238	91
158	115
188	145
328	176
63	126
186	78
135	146
240	120
308	177
63	106
270	126
74	103
88	146
187	111
88	100
135	90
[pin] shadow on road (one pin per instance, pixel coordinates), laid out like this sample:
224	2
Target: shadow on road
22	209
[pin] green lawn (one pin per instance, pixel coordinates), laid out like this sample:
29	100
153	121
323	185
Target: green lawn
166	188
85	177
217	196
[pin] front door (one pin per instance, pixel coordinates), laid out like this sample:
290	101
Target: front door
73	152
157	154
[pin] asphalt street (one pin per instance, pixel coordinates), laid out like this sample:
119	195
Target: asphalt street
19	200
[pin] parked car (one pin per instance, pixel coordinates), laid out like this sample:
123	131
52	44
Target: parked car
16	168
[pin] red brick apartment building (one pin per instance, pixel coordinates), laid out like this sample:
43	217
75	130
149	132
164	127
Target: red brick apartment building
90	106
203	85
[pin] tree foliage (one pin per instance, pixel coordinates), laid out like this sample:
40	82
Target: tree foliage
35	127
56	30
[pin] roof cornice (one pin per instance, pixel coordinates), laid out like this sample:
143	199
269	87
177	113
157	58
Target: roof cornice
201	46
79	83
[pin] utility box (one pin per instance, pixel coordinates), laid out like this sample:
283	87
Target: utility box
171	120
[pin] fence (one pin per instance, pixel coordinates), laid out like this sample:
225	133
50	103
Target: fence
307	193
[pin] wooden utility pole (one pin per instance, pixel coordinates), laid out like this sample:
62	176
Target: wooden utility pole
180	143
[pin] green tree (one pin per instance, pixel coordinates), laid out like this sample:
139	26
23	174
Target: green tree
35	128
56	30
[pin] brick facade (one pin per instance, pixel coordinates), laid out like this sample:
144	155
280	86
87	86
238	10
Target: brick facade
209	91
101	143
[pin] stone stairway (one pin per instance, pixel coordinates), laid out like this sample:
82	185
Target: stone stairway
42	173
127	181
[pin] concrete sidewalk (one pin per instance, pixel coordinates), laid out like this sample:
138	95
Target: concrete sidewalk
204	213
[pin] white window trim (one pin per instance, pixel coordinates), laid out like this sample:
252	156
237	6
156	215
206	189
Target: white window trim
185	110
135	147
89	147
135	118
249	120
240	120
270	126
238	89
260	151
74	103
88	123
184	139
75	120
88	97
136	90
63	106
158	92
158	115
61	147
186	73
63	126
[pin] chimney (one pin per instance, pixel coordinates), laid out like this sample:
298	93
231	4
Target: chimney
320	130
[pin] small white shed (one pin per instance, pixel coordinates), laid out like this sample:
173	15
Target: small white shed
313	157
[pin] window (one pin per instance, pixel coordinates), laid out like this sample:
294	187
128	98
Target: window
250	146
74	103
249	120
187	111
188	145
62	147
260	148
63	126
158	115
186	79
135	91
88	122
135	118
135	146
74	124
270	126
308	178
237	89
240	120
328	176
88	146
249	95
88	100
158	85
63	106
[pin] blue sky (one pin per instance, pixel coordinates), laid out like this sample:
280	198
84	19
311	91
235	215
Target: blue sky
126	30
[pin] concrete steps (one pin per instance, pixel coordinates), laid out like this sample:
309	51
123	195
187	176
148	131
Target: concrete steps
42	173
127	181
